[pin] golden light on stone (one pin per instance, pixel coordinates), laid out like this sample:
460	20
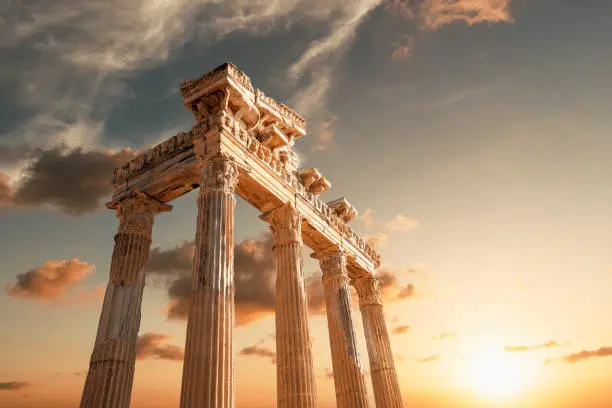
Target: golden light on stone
242	143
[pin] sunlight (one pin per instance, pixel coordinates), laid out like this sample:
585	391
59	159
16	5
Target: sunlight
496	374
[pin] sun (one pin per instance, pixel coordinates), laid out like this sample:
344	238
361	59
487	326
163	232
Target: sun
496	373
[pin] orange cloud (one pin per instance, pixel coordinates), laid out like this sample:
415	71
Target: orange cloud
151	345
403	49
402	329
582	355
520	348
445	335
432	14
51	280
429	359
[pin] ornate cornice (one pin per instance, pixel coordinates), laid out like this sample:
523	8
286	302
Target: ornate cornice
368	290
218	173
136	213
285	224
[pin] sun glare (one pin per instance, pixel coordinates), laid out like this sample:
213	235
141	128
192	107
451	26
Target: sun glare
496	374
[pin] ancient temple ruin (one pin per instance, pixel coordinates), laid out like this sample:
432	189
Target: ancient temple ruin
242	143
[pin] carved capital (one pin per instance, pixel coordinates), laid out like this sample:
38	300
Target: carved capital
218	173
368	290
285	223
333	262
136	213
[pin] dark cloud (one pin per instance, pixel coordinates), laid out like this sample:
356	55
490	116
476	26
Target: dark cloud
445	335
49	281
582	355
74	181
254	274
151	345
12	155
316	294
546	345
14	385
401	329
257	350
429	359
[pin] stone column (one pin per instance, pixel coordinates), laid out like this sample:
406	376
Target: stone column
384	377
111	369
348	371
208	369
295	379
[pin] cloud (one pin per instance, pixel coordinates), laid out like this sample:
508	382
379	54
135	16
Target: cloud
73	181
582	355
49	281
324	137
14	385
399	223
401	329
151	345
403	49
392	290
520	348
445	335
254	273
429	359
377	240
258	351
433	14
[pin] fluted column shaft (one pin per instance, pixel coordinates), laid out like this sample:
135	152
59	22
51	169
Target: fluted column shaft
111	369
348	371
295	377
208	369
382	367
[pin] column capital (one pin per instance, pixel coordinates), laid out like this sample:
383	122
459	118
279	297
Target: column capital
218	173
368	290
136	213
285	223
333	262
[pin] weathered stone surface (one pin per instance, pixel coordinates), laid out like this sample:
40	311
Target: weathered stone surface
208	369
111	369
348	371
242	143
382	368
295	378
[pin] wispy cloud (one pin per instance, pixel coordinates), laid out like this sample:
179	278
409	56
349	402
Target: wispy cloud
445	335
401	329
582	355
429	359
14	385
519	348
258	351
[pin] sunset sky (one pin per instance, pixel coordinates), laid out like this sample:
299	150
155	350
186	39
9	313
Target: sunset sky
474	137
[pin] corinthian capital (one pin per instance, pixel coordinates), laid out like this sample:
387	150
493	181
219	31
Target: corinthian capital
368	290
333	263
136	213
219	173
285	223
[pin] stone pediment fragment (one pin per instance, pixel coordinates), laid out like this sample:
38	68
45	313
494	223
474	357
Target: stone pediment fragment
314	181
